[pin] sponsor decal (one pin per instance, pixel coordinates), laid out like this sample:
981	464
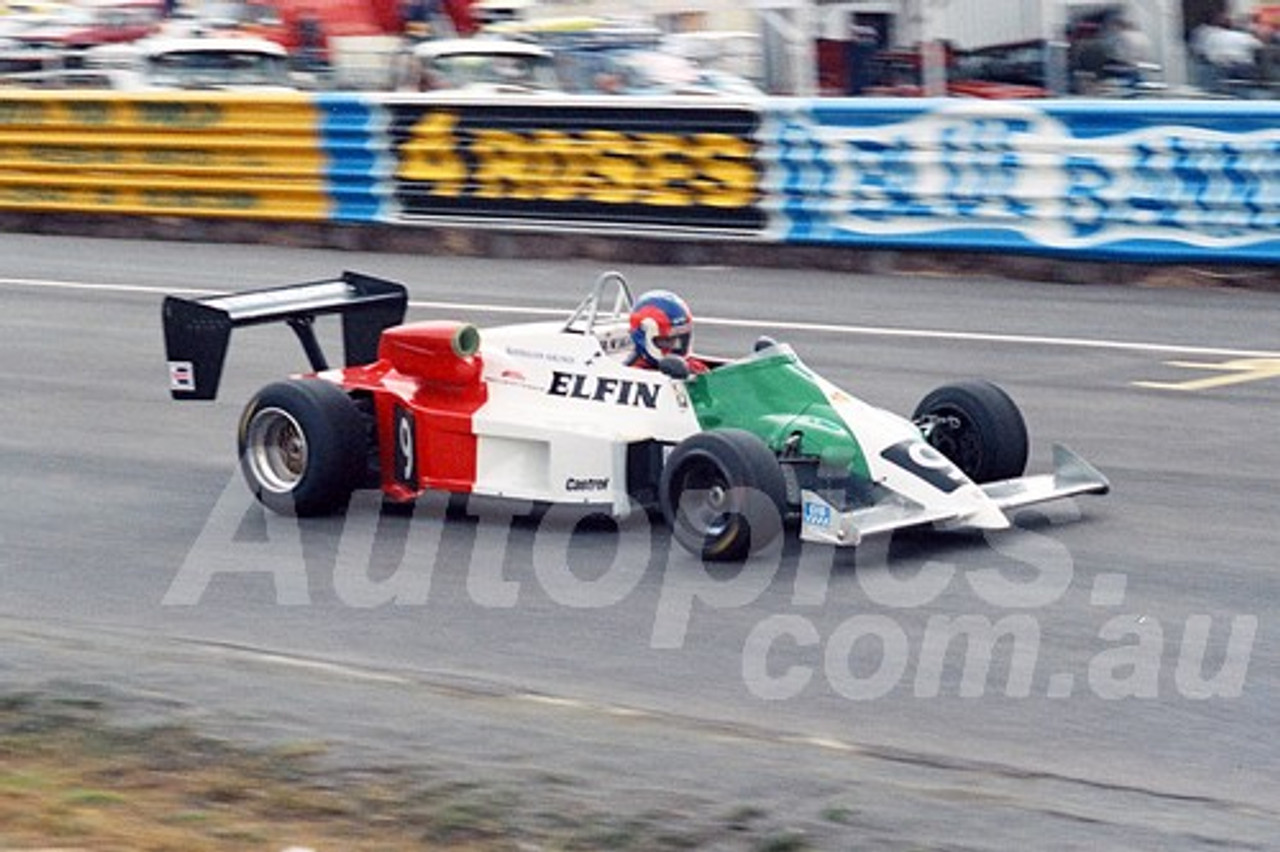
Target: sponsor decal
406	445
517	378
927	463
589	483
535	355
182	376
817	515
627	392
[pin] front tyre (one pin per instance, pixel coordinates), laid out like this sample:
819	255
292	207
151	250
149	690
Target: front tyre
723	494
978	427
303	447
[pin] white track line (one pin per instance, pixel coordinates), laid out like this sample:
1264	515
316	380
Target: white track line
773	325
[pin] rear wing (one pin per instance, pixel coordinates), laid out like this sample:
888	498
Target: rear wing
198	331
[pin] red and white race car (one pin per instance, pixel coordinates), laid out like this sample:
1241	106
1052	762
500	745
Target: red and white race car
549	412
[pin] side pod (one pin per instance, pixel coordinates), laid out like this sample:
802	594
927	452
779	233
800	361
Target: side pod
197	332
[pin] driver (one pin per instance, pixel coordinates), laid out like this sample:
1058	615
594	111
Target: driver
662	325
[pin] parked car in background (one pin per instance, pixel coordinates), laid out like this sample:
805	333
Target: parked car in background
16	58
603	56
899	73
99	79
734	52
217	63
1021	63
628	70
480	64
208	63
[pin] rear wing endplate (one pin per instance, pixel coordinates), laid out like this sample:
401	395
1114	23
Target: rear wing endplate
198	331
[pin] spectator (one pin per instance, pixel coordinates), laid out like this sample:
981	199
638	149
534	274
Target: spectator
863	43
425	19
313	43
1130	51
1203	74
1087	57
416	15
1132	45
1233	53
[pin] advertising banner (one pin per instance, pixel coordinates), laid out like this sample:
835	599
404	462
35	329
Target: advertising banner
637	168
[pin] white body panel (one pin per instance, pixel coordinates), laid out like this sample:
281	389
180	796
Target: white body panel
561	412
958	501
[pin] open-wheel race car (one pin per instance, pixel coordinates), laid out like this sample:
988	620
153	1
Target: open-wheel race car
550	412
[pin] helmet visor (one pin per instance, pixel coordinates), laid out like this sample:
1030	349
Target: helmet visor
676	343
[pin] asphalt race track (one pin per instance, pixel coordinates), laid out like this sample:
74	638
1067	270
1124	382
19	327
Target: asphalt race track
1107	675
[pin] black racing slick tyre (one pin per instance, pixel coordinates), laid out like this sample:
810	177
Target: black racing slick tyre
303	447
723	494
978	427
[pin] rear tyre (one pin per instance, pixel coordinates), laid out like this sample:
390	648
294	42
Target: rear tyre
978	427
723	494
303	447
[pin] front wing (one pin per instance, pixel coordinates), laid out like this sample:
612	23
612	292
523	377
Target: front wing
822	522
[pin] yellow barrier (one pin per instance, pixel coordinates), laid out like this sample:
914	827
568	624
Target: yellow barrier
199	154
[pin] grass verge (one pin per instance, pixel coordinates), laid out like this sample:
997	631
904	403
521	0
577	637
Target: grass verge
72	780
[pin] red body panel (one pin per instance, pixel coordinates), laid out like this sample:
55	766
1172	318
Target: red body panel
444	441
425	395
431	351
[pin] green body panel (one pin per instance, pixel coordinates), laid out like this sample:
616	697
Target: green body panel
774	397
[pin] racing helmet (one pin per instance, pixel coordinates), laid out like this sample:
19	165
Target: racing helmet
660	325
